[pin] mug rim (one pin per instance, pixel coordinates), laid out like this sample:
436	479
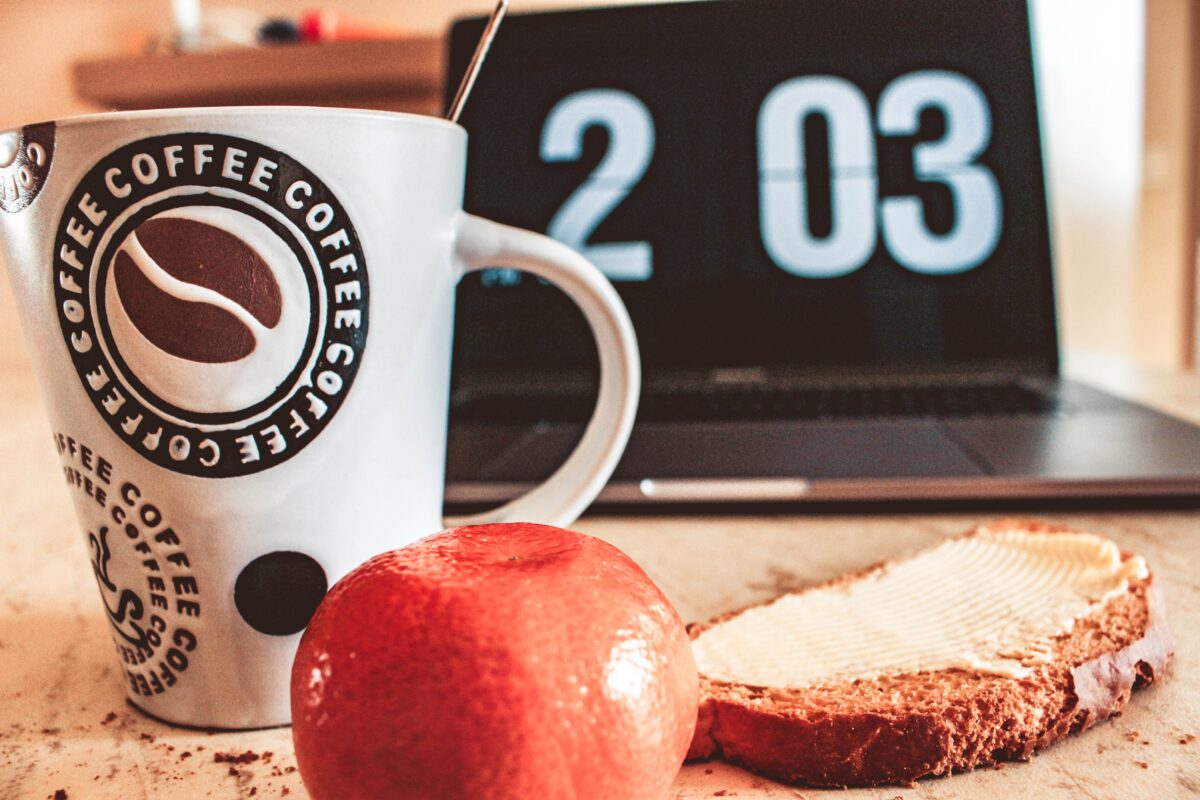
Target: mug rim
402	117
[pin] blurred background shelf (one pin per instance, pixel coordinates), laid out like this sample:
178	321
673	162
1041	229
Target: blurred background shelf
396	75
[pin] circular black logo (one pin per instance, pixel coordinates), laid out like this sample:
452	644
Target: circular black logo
212	293
278	593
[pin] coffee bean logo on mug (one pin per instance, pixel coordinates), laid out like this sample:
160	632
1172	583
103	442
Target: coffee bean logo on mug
213	295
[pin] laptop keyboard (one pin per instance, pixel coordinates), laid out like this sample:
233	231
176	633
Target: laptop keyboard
734	403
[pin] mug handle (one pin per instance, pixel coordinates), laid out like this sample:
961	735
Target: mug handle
559	501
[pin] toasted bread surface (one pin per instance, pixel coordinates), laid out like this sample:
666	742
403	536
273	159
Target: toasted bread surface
896	729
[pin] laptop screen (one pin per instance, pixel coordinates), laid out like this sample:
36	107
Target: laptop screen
768	183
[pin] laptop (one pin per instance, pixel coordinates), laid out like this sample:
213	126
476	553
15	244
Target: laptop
829	224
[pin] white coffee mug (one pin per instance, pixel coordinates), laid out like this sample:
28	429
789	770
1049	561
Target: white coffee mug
241	320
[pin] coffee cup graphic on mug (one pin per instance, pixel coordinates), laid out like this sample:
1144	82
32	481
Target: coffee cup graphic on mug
241	321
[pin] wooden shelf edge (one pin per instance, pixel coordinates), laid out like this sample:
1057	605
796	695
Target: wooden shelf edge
331	73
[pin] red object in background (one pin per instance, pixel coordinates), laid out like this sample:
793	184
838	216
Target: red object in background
328	25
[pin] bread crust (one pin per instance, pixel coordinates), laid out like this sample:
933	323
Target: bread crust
873	732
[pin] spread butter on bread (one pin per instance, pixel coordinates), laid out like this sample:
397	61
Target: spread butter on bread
984	648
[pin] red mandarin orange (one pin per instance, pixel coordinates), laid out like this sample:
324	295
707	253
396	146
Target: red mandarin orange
495	662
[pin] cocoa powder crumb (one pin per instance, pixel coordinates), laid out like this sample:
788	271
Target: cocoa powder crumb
1142	764
145	737
109	717
285	792
234	771
1187	738
185	754
248	757
253	791
60	794
708	771
721	793
1133	736
51	731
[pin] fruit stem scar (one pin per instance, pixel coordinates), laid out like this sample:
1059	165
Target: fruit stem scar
188	291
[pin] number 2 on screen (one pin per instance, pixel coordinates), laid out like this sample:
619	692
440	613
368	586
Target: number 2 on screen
858	212
630	149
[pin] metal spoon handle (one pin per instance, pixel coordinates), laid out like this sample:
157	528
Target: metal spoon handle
481	50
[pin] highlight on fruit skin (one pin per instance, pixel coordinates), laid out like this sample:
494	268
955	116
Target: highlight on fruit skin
494	662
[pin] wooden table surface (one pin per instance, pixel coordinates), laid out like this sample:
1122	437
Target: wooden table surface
64	723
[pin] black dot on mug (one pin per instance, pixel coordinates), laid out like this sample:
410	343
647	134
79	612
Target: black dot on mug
278	593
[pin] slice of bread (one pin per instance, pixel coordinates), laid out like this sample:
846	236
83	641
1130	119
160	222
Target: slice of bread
817	688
